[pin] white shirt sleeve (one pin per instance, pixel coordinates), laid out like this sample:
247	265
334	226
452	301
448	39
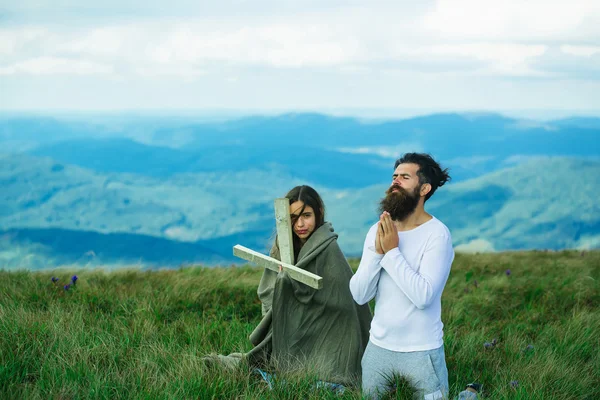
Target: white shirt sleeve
422	287
363	284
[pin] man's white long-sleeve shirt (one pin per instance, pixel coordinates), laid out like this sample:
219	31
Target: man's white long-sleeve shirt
407	283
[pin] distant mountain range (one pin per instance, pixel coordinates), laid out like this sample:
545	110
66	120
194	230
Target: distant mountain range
163	192
118	155
445	135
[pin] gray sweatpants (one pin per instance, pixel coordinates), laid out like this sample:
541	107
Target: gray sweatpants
426	370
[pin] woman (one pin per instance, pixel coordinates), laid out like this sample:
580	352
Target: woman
303	329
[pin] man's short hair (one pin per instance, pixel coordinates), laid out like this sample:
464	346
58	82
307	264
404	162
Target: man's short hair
429	170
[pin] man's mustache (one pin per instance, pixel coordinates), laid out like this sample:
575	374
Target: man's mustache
397	187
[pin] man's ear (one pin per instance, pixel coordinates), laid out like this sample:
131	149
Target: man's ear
425	188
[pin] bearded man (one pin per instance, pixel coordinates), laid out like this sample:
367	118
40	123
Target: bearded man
405	264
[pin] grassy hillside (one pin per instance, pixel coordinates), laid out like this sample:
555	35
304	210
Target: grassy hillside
134	334
542	203
40	193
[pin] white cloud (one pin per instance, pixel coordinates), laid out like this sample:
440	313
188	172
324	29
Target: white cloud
290	44
299	43
476	246
574	63
17	39
105	41
55	65
500	58
186	72
582	51
498	39
515	20
384	151
354	48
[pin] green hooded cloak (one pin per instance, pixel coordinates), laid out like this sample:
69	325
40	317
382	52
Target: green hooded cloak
324	330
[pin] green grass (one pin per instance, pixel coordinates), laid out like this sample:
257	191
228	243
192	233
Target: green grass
141	335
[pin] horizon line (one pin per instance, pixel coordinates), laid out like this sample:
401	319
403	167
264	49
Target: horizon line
349	112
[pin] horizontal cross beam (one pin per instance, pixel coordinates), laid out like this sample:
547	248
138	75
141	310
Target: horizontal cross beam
297	274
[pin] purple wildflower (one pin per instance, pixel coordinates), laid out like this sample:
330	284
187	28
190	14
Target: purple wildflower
494	341
507	272
514	384
488	345
67	287
528	348
54	279
74	279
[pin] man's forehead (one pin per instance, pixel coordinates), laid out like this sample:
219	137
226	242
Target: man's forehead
408	168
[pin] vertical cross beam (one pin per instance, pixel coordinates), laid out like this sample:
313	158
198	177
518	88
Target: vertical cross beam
284	230
286	250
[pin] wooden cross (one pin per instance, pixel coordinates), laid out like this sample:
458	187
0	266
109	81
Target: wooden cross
286	249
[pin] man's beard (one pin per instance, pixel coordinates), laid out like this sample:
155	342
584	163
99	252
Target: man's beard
399	204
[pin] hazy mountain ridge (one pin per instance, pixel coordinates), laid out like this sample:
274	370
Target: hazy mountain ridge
522	207
323	149
543	203
186	207
116	181
51	247
445	135
325	167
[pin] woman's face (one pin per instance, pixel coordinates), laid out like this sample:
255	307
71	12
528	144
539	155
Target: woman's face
305	222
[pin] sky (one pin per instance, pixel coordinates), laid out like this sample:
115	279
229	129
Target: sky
326	55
